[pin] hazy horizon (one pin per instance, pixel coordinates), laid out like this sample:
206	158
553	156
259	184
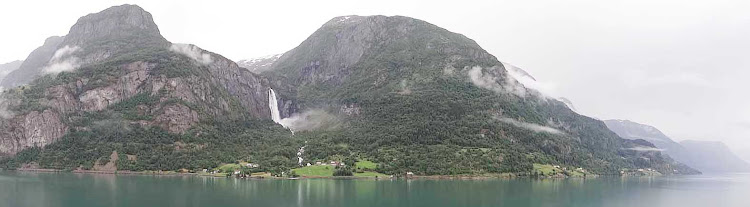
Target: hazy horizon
671	64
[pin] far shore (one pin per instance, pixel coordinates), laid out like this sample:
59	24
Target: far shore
415	177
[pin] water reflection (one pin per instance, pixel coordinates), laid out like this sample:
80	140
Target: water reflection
65	189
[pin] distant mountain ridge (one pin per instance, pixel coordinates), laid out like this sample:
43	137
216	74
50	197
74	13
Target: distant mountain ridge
7	68
714	157
260	64
702	155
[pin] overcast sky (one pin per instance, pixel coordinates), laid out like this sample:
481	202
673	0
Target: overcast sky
682	66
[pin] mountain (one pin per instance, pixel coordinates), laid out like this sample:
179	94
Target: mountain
632	130
7	68
33	65
401	92
706	156
416	97
114	88
260	64
714	157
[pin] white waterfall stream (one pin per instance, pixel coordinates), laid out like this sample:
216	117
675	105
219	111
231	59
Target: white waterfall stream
299	154
273	104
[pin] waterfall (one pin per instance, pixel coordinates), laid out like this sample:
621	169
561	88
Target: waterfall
299	155
274	106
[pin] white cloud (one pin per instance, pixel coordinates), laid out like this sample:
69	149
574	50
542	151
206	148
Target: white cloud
494	82
309	120
63	60
546	88
193	52
4	103
530	126
645	149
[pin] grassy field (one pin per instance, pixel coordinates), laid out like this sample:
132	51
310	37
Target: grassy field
315	170
549	169
366	165
327	171
229	167
546	169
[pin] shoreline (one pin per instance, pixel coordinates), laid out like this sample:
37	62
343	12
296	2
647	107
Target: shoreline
411	177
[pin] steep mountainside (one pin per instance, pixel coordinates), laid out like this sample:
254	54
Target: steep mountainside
32	67
114	85
631	130
7	68
714	157
416	97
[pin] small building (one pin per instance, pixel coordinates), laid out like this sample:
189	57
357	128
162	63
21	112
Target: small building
318	163
236	172
335	163
205	170
308	164
409	174
252	165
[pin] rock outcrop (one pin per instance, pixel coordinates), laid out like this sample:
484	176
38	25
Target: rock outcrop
177	118
30	130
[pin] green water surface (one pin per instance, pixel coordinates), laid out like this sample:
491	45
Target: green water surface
68	189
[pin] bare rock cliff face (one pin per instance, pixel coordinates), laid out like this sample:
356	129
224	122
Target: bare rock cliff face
118	22
33	129
177	118
251	89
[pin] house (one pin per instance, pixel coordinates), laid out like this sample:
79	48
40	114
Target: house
318	163
335	163
236	172
308	164
205	170
252	165
409	174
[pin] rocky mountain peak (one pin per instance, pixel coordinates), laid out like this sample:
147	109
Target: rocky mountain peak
336	50
124	21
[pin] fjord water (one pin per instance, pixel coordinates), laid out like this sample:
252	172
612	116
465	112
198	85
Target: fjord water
67	189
